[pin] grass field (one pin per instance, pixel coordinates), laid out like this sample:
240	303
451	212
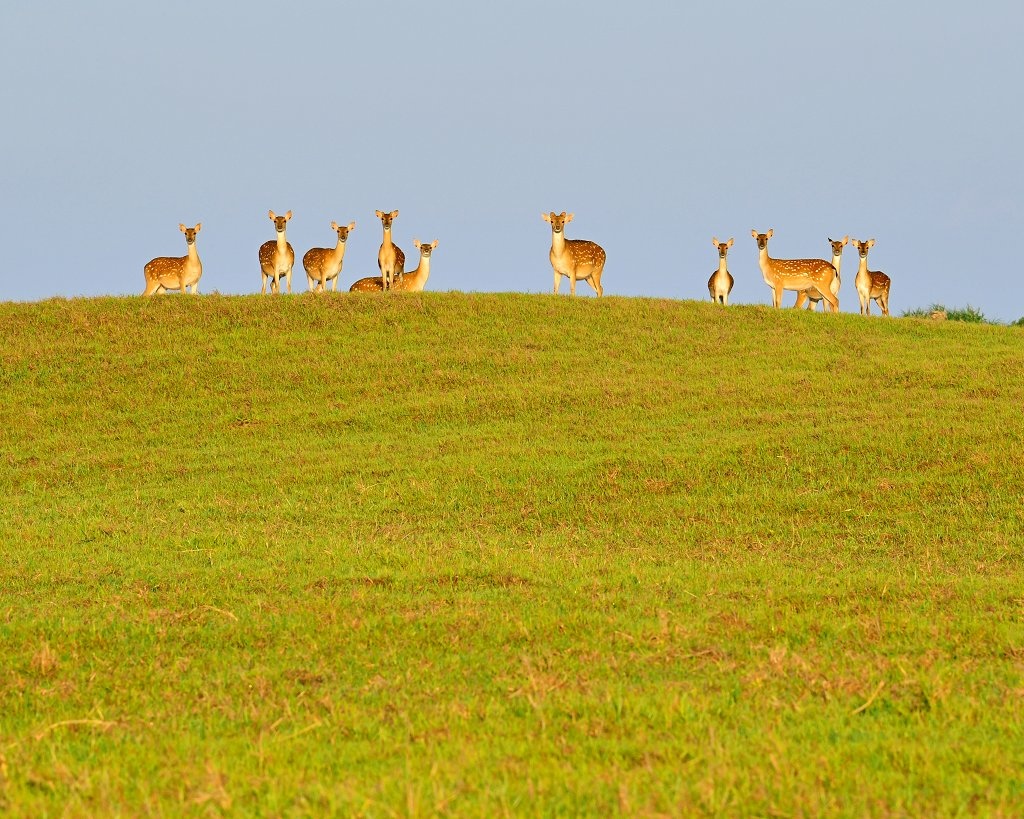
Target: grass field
489	555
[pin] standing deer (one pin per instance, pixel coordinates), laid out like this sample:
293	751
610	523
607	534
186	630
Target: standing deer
176	272
721	281
323	264
812	296
413	282
277	257
794	274
390	258
576	259
871	284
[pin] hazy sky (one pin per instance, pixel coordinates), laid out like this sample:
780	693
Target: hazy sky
659	124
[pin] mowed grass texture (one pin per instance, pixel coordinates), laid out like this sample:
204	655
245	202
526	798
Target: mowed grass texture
488	555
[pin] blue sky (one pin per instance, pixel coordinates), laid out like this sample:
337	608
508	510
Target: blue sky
658	124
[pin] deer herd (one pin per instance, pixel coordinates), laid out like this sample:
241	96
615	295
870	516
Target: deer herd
813	280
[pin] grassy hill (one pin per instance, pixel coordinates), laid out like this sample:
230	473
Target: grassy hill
502	554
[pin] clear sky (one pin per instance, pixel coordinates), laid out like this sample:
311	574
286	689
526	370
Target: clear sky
659	123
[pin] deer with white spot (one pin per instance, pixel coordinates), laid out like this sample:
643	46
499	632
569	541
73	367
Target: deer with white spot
323	264
721	281
176	272
794	274
812	297
871	284
277	257
576	259
390	258
412	282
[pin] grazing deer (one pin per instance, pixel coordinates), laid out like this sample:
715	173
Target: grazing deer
176	272
721	281
794	274
277	257
390	258
413	282
871	284
323	264
576	259
812	297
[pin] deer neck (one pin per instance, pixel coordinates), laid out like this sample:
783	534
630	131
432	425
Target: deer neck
339	251
193	254
558	242
722	267
387	237
862	270
764	260
419	276
836	260
282	243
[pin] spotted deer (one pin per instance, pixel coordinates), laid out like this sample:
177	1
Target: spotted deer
176	272
412	282
323	264
870	284
576	259
794	274
812	297
277	257
390	258
721	281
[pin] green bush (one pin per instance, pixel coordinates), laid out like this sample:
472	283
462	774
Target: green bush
969	314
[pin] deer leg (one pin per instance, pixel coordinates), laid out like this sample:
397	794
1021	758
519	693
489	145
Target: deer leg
801	299
572	285
288	279
558	282
334	283
777	296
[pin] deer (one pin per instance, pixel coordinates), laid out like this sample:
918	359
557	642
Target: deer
176	272
794	274
812	297
277	257
412	282
721	281
870	284
390	258
576	259
323	264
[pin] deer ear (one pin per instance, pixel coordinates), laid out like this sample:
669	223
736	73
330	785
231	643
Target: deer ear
871	242
433	244
547	217
272	217
351	225
753	233
729	243
380	215
714	241
334	225
288	216
416	243
770	233
199	226
569	217
846	240
394	214
181	227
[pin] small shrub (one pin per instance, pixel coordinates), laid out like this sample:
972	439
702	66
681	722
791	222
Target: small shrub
968	314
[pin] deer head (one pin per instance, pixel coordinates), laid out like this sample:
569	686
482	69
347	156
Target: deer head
557	220
723	247
864	247
280	222
190	233
343	230
762	238
424	248
837	247
387	218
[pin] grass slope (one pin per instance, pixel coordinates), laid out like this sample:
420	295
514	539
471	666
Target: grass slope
502	554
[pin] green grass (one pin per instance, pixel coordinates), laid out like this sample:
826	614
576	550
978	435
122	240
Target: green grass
487	555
